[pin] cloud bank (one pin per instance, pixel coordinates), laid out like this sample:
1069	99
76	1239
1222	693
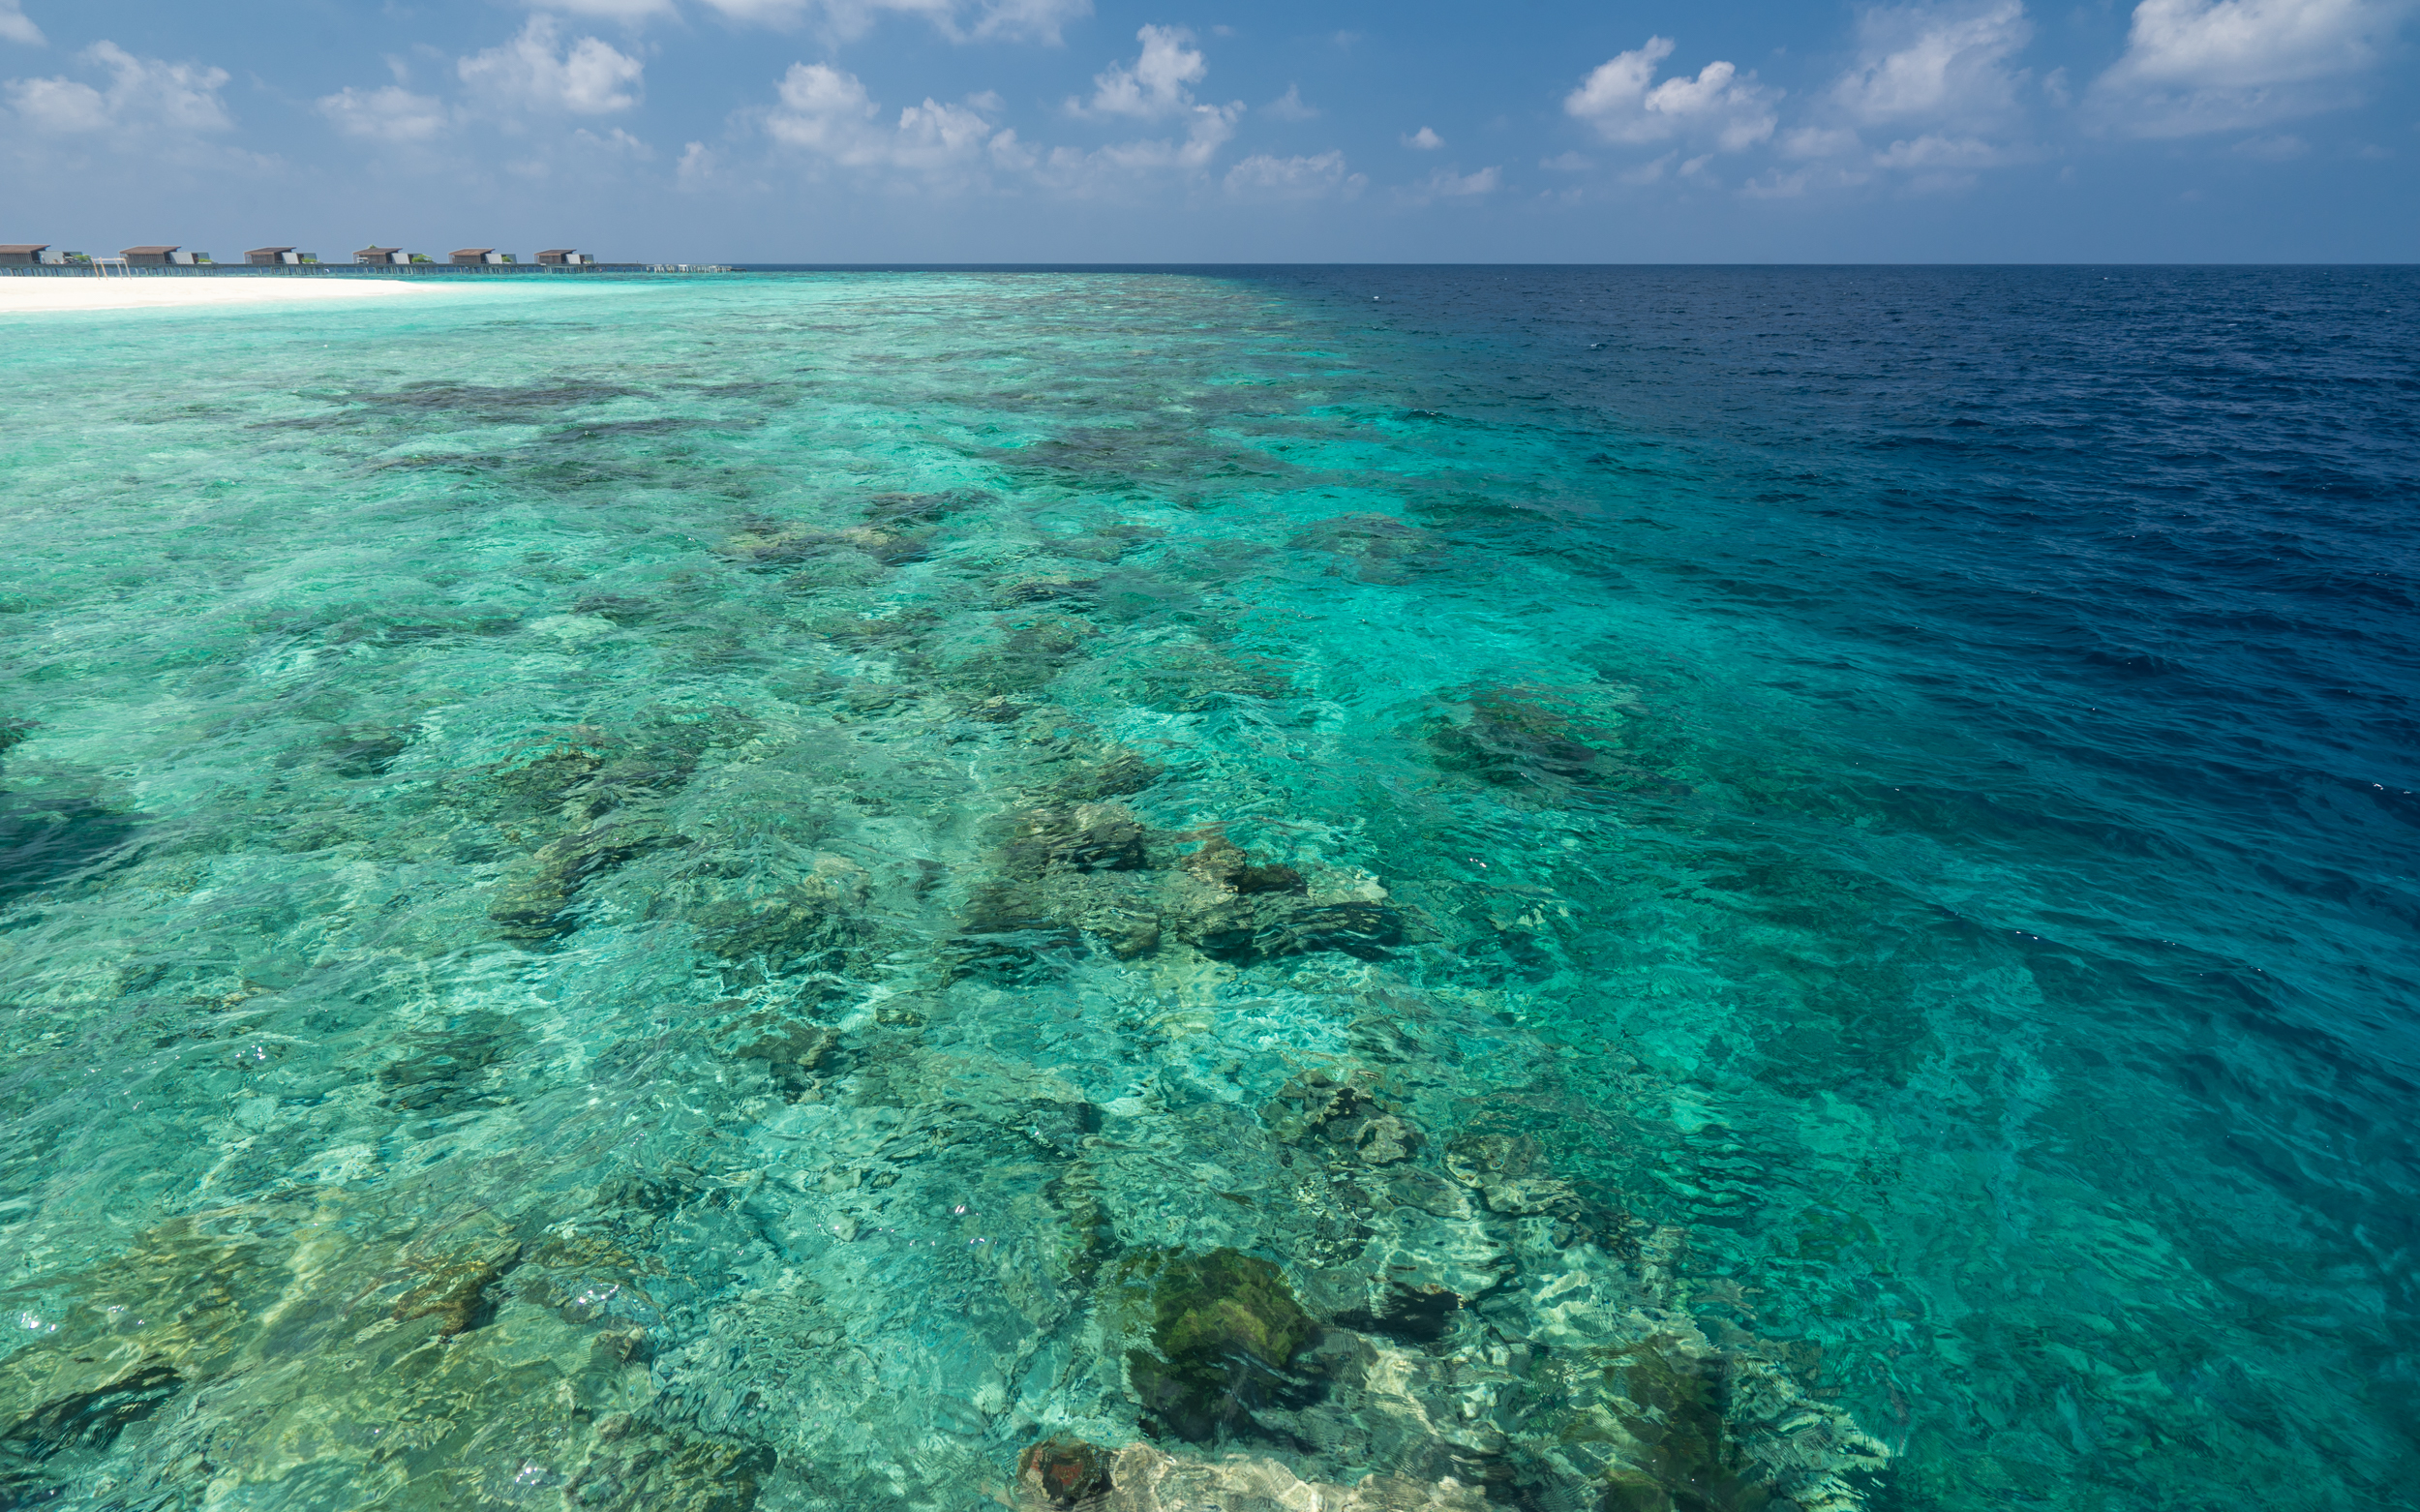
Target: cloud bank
15	26
535	71
1030	20
142	93
2197	66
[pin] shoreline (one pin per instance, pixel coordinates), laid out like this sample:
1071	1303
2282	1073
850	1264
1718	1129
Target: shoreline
41	295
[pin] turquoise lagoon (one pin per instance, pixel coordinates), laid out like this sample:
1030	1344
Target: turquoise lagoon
761	893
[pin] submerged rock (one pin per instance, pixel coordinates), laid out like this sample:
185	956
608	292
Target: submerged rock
1524	736
793	1056
1504	1170
1042	588
1222	863
1065	1473
631	1466
584	772
46	841
548	779
1187	678
1087	1234
744	906
1224	1328
89	1420
774	546
1702	1430
366	750
1011	933
1420	1314
1376	548
1343	1116
1087	837
1092	776
456	1292
892	509
1657	1417
447	1071
330	1341
618	608
536	906
1266	928
1142	1477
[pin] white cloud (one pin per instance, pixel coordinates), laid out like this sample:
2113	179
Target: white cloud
1031	20
1649	171
1566	162
1937	161
1153	85
1118	167
1012	154
1209	130
2195	66
761	13
177	97
1261	176
1625	104
392	114
1935	63
1424	140
534	75
588	78
1819	141
15	26
1799	181
58	105
1289	106
931	135
823	111
1936	152
631	12
1446	184
615	142
827	113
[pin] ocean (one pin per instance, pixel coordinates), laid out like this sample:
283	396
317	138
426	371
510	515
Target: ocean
1577	890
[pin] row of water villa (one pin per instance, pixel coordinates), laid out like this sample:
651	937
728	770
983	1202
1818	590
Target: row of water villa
40	256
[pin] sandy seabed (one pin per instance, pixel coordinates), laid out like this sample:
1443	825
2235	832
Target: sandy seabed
28	294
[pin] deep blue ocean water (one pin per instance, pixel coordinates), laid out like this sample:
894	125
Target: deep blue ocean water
712	892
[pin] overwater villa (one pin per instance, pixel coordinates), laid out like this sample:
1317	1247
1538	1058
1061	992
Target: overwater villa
23	255
564	258
383	256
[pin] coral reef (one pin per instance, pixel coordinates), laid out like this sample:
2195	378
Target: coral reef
840	997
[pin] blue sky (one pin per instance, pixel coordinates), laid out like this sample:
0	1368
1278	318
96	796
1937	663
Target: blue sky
1191	130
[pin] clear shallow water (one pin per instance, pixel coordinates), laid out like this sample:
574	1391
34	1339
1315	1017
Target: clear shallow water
622	894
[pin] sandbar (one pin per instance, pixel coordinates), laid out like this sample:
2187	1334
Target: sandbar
24	295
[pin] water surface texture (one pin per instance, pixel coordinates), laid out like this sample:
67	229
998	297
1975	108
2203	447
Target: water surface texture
1578	890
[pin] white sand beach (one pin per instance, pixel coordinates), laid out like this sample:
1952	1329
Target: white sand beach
21	295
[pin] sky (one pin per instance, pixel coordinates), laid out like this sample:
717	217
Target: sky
1194	131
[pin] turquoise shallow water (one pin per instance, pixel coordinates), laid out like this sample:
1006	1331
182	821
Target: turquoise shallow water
763	891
